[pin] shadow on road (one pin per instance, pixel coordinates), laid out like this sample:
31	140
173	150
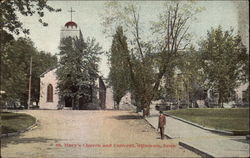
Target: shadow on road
17	140
243	140
127	117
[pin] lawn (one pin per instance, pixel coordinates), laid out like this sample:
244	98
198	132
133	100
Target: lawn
13	122
236	120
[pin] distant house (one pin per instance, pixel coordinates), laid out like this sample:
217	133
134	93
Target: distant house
241	97
203	97
243	93
125	103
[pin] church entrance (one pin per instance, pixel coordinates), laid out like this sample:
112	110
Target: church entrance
68	102
83	104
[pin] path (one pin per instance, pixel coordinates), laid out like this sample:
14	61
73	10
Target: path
211	144
75	134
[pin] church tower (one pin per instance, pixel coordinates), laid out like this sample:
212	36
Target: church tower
50	97
70	29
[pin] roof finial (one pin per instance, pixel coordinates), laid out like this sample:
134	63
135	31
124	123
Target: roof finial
71	11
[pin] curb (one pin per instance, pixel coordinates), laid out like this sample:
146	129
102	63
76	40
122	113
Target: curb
196	150
202	127
154	127
22	131
183	144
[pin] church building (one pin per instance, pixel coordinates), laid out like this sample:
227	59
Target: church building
49	94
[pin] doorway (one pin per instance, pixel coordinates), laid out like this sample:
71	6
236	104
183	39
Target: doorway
68	102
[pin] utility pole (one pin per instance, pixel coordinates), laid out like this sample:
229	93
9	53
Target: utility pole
29	95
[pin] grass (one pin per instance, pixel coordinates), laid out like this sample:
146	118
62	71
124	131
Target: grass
14	122
236	120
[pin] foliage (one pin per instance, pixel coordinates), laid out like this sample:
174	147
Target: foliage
191	75
15	65
150	57
41	62
119	72
15	54
78	68
225	62
10	9
184	83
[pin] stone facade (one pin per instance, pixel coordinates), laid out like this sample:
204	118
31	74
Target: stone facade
126	102
109	98
46	79
240	90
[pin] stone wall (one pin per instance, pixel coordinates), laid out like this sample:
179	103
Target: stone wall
109	98
46	79
69	32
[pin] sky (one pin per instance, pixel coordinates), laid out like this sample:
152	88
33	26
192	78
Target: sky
228	14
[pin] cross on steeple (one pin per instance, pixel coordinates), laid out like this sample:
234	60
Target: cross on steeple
71	11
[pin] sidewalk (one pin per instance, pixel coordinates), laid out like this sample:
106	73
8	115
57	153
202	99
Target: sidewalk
202	141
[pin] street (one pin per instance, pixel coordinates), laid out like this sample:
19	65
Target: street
68	133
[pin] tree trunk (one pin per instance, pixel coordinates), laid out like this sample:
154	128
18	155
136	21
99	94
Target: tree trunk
221	105
72	104
138	109
117	105
220	100
146	110
14	105
77	103
118	108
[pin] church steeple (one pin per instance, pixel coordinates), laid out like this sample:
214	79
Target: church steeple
71	11
71	23
70	28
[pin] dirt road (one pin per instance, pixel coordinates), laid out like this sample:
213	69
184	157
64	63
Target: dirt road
90	134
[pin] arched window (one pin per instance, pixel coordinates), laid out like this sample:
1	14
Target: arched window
50	93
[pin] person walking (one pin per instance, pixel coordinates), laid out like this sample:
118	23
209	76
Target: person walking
161	124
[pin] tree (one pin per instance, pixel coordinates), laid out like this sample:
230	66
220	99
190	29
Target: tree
15	61
41	62
78	68
191	74
184	82
118	75
15	54
149	60
9	10
225	62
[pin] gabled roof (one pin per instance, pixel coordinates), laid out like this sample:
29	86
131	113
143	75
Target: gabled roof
55	67
50	69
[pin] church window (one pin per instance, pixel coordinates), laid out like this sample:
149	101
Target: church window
50	93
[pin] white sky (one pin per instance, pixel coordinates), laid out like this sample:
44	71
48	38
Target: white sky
87	16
